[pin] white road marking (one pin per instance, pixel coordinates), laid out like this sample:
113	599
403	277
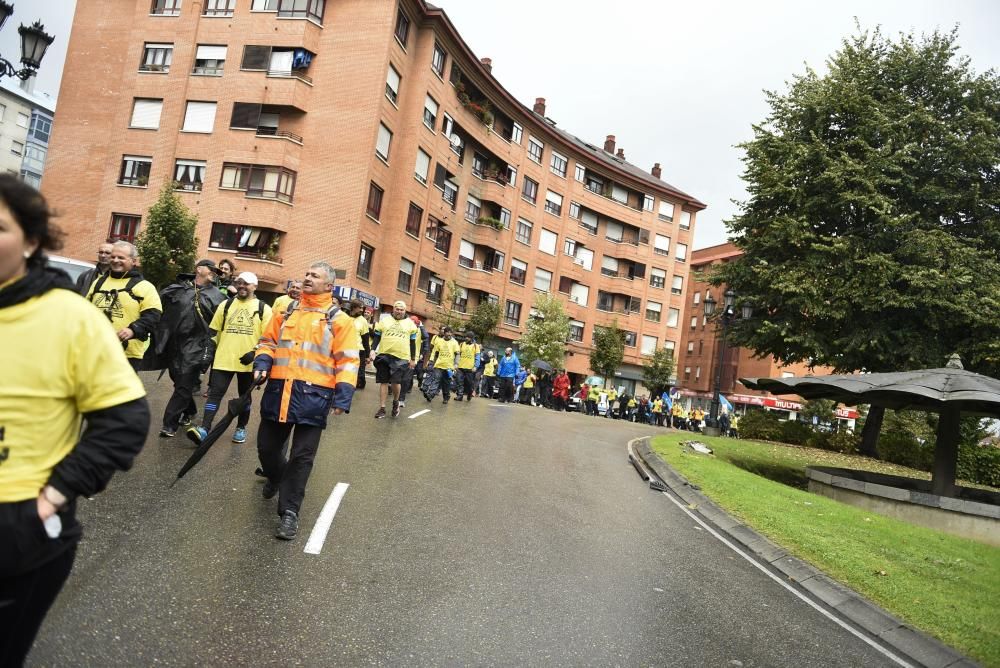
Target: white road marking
419	413
318	536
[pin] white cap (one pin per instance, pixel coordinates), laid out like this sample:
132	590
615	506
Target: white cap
248	278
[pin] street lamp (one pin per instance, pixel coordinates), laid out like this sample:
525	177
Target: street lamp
727	316
34	42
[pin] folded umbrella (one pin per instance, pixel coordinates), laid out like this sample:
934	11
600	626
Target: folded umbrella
235	407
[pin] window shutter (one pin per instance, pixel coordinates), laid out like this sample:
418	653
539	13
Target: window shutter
614	231
281	62
256	57
211	52
466	249
146	113
661	243
609	263
245	115
199	117
547	242
580	292
384	139
392	79
423	164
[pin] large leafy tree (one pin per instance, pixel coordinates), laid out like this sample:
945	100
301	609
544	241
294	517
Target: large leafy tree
167	245
444	315
546	333
871	237
608	351
484	320
658	371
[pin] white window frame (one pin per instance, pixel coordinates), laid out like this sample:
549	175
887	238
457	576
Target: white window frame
555	158
673	317
383	144
680	252
431	108
540	278
548	241
533	143
661	244
425	158
393	80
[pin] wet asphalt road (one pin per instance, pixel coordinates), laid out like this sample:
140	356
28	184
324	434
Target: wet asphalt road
476	534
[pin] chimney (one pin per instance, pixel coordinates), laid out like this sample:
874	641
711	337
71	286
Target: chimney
655	171
621	153
609	144
540	106
487	63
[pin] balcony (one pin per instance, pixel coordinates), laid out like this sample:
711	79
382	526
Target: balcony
480	266
268	121
616	302
446	183
250	242
278	133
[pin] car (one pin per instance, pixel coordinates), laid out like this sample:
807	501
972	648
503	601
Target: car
75	268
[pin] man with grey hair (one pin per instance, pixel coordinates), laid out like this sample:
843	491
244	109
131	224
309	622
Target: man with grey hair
86	279
129	301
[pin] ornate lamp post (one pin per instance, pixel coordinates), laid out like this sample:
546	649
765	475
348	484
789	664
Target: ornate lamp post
727	316
34	42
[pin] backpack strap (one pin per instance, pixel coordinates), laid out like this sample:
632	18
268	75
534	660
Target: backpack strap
260	310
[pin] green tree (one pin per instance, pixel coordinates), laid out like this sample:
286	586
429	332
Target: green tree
821	409
484	320
608	352
658	371
546	333
167	245
444	315
871	237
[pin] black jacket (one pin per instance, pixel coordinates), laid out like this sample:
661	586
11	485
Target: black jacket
86	279
181	340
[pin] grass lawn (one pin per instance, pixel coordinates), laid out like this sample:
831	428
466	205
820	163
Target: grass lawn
946	586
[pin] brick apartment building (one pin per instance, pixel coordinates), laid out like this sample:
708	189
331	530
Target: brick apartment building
364	132
701	343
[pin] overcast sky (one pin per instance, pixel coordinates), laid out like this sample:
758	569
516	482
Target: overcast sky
679	83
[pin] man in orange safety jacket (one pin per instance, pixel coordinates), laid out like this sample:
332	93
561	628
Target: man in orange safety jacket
310	355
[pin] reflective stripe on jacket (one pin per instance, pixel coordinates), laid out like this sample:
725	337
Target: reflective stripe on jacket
312	357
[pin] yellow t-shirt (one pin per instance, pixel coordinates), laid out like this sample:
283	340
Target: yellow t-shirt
60	360
361	324
281	304
446	350
396	336
490	370
467	355
529	382
657	406
240	334
124	310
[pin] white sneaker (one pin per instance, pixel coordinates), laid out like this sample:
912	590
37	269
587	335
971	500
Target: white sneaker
402	403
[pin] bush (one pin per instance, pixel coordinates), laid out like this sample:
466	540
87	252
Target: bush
905	449
842	441
760	425
979	464
796	433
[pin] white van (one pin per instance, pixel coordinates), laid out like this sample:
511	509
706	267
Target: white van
72	267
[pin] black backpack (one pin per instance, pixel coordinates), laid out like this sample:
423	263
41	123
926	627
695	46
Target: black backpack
229	302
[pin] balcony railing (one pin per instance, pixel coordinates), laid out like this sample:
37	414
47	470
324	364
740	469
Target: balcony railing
617	274
207	71
294	74
258	255
149	67
266	131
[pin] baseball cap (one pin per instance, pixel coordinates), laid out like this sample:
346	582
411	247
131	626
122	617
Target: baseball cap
211	265
400	304
248	278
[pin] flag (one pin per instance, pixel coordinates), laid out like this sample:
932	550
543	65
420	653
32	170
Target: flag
726	406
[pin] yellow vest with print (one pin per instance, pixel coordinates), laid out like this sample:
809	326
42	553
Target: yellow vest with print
240	333
467	355
396	336
52	375
123	310
490	370
446	350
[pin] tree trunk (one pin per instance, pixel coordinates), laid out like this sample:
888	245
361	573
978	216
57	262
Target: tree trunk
869	435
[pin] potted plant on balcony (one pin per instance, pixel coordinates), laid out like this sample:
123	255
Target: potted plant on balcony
271	254
495	223
492	171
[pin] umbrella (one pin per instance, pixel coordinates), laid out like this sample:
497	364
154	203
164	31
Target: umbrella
541	364
235	407
950	391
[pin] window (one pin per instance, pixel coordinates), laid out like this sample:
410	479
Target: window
302	9
402	28
210	60
569	247
34	158
365	261
680	252
199	117
165	7
697	372
264	6
661	245
478	164
189	174
437	232
511	176
685	223
392	80
438	60
609	266
629	338
585	258
588	221
383	143
787	374
697	298
653	310
413	218
256	57
581	173
657	277
405	278
16	147
259	180
472	208
461	301
547	242
558	164
574	210
512	314
690	346
124	227
135	171
579	294
673	317
422	166
576	331
156	57
648	344
430	112
535	149
518	271
647	202
666	211
553	203
448	128
431	284
614	231
543	279
146	113
374	207
504	218
530	190
694	321
523	232
687	371
677	286
219	8
258	242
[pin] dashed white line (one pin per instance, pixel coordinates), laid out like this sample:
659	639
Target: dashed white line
419	413
318	536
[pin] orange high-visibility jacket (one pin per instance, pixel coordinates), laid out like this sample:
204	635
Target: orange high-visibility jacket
312	358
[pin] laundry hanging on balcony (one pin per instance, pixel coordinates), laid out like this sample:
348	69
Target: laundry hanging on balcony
301	59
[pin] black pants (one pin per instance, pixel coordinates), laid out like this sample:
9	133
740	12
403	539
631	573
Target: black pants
407	384
444	380
465	382
362	380
182	400
289	475
217	386
527	394
506	389
24	602
488	382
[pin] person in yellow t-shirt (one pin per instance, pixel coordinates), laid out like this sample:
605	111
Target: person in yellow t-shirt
292	294
444	358
63	370
489	375
396	347
356	311
468	362
129	301
238	324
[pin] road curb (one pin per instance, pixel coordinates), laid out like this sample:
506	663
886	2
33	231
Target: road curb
911	643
